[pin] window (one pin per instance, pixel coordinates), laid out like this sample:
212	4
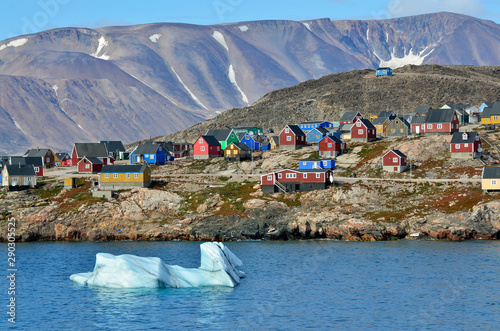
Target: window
325	163
136	175
429	126
466	145
440	126
106	175
127	175
495	118
279	176
288	138
304	175
395	159
200	141
423	126
304	163
30	179
47	159
291	175
87	166
358	124
270	177
457	146
37	169
218	148
321	153
318	175
401	130
15	179
360	131
329	145
493	182
287	130
115	175
202	148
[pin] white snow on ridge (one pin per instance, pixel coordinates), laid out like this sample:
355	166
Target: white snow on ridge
410	58
232	78
55	88
220	39
386	37
102	43
367	36
154	38
163	95
243	28
308	26
189	91
15	43
18	126
82	128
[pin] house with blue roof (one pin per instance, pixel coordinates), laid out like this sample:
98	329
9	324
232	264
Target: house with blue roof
249	140
386	71
316	135
307	126
317	164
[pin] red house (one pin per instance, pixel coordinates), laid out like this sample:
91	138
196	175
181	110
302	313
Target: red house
350	117
466	145
441	121
298	180
394	161
98	150
331	146
292	137
363	131
206	147
90	165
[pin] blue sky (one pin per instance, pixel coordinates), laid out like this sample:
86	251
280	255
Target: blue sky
28	16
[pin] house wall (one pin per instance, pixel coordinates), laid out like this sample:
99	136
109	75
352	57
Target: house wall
49	159
314	136
122	182
310	177
362	133
91	168
394	168
490	184
388	160
22	181
493	119
323	145
394	129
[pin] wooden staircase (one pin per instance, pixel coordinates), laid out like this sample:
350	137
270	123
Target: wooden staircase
280	186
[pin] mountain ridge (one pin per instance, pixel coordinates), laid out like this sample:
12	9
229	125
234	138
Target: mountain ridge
132	82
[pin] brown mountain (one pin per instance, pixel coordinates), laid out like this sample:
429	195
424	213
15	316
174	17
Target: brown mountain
134	82
329	97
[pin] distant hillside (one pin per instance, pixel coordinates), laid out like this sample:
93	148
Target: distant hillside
66	85
330	96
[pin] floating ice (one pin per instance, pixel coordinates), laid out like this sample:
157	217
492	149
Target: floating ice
219	266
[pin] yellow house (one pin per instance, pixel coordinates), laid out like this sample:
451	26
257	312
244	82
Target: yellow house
275	142
380	123
491	179
237	152
491	115
124	177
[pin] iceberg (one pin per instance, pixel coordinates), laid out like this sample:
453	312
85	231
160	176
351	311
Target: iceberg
219	267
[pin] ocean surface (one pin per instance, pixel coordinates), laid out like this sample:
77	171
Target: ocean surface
317	285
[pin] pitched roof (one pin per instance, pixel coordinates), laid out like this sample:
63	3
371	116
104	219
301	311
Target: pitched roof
36	152
61	156
418	120
219	134
275	139
334	139
28	160
23	170
346	127
91	159
124	168
348	116
386	113
241	146
296	130
422	110
397	152
366	123
323	131
491	172
379	120
113	145
211	140
383	68
439	116
314	122
91	150
457	137
402	120
169	146
490	111
147	148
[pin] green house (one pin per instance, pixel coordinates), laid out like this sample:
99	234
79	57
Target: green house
223	136
252	130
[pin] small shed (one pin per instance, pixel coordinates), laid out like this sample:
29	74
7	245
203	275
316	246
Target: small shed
317	164
385	71
491	179
69	183
237	152
394	161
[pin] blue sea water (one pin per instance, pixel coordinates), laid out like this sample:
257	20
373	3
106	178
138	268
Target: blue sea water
402	285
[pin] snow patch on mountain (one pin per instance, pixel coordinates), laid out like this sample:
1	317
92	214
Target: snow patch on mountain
82	128
386	37
102	43
410	58
308	26
55	88
15	43
193	96
154	38
243	28
232	78
220	39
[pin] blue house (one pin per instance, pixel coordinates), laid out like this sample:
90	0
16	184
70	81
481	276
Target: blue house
150	153
316	135
250	141
265	144
307	126
317	164
384	72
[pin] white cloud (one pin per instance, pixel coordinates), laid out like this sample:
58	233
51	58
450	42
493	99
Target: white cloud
398	8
